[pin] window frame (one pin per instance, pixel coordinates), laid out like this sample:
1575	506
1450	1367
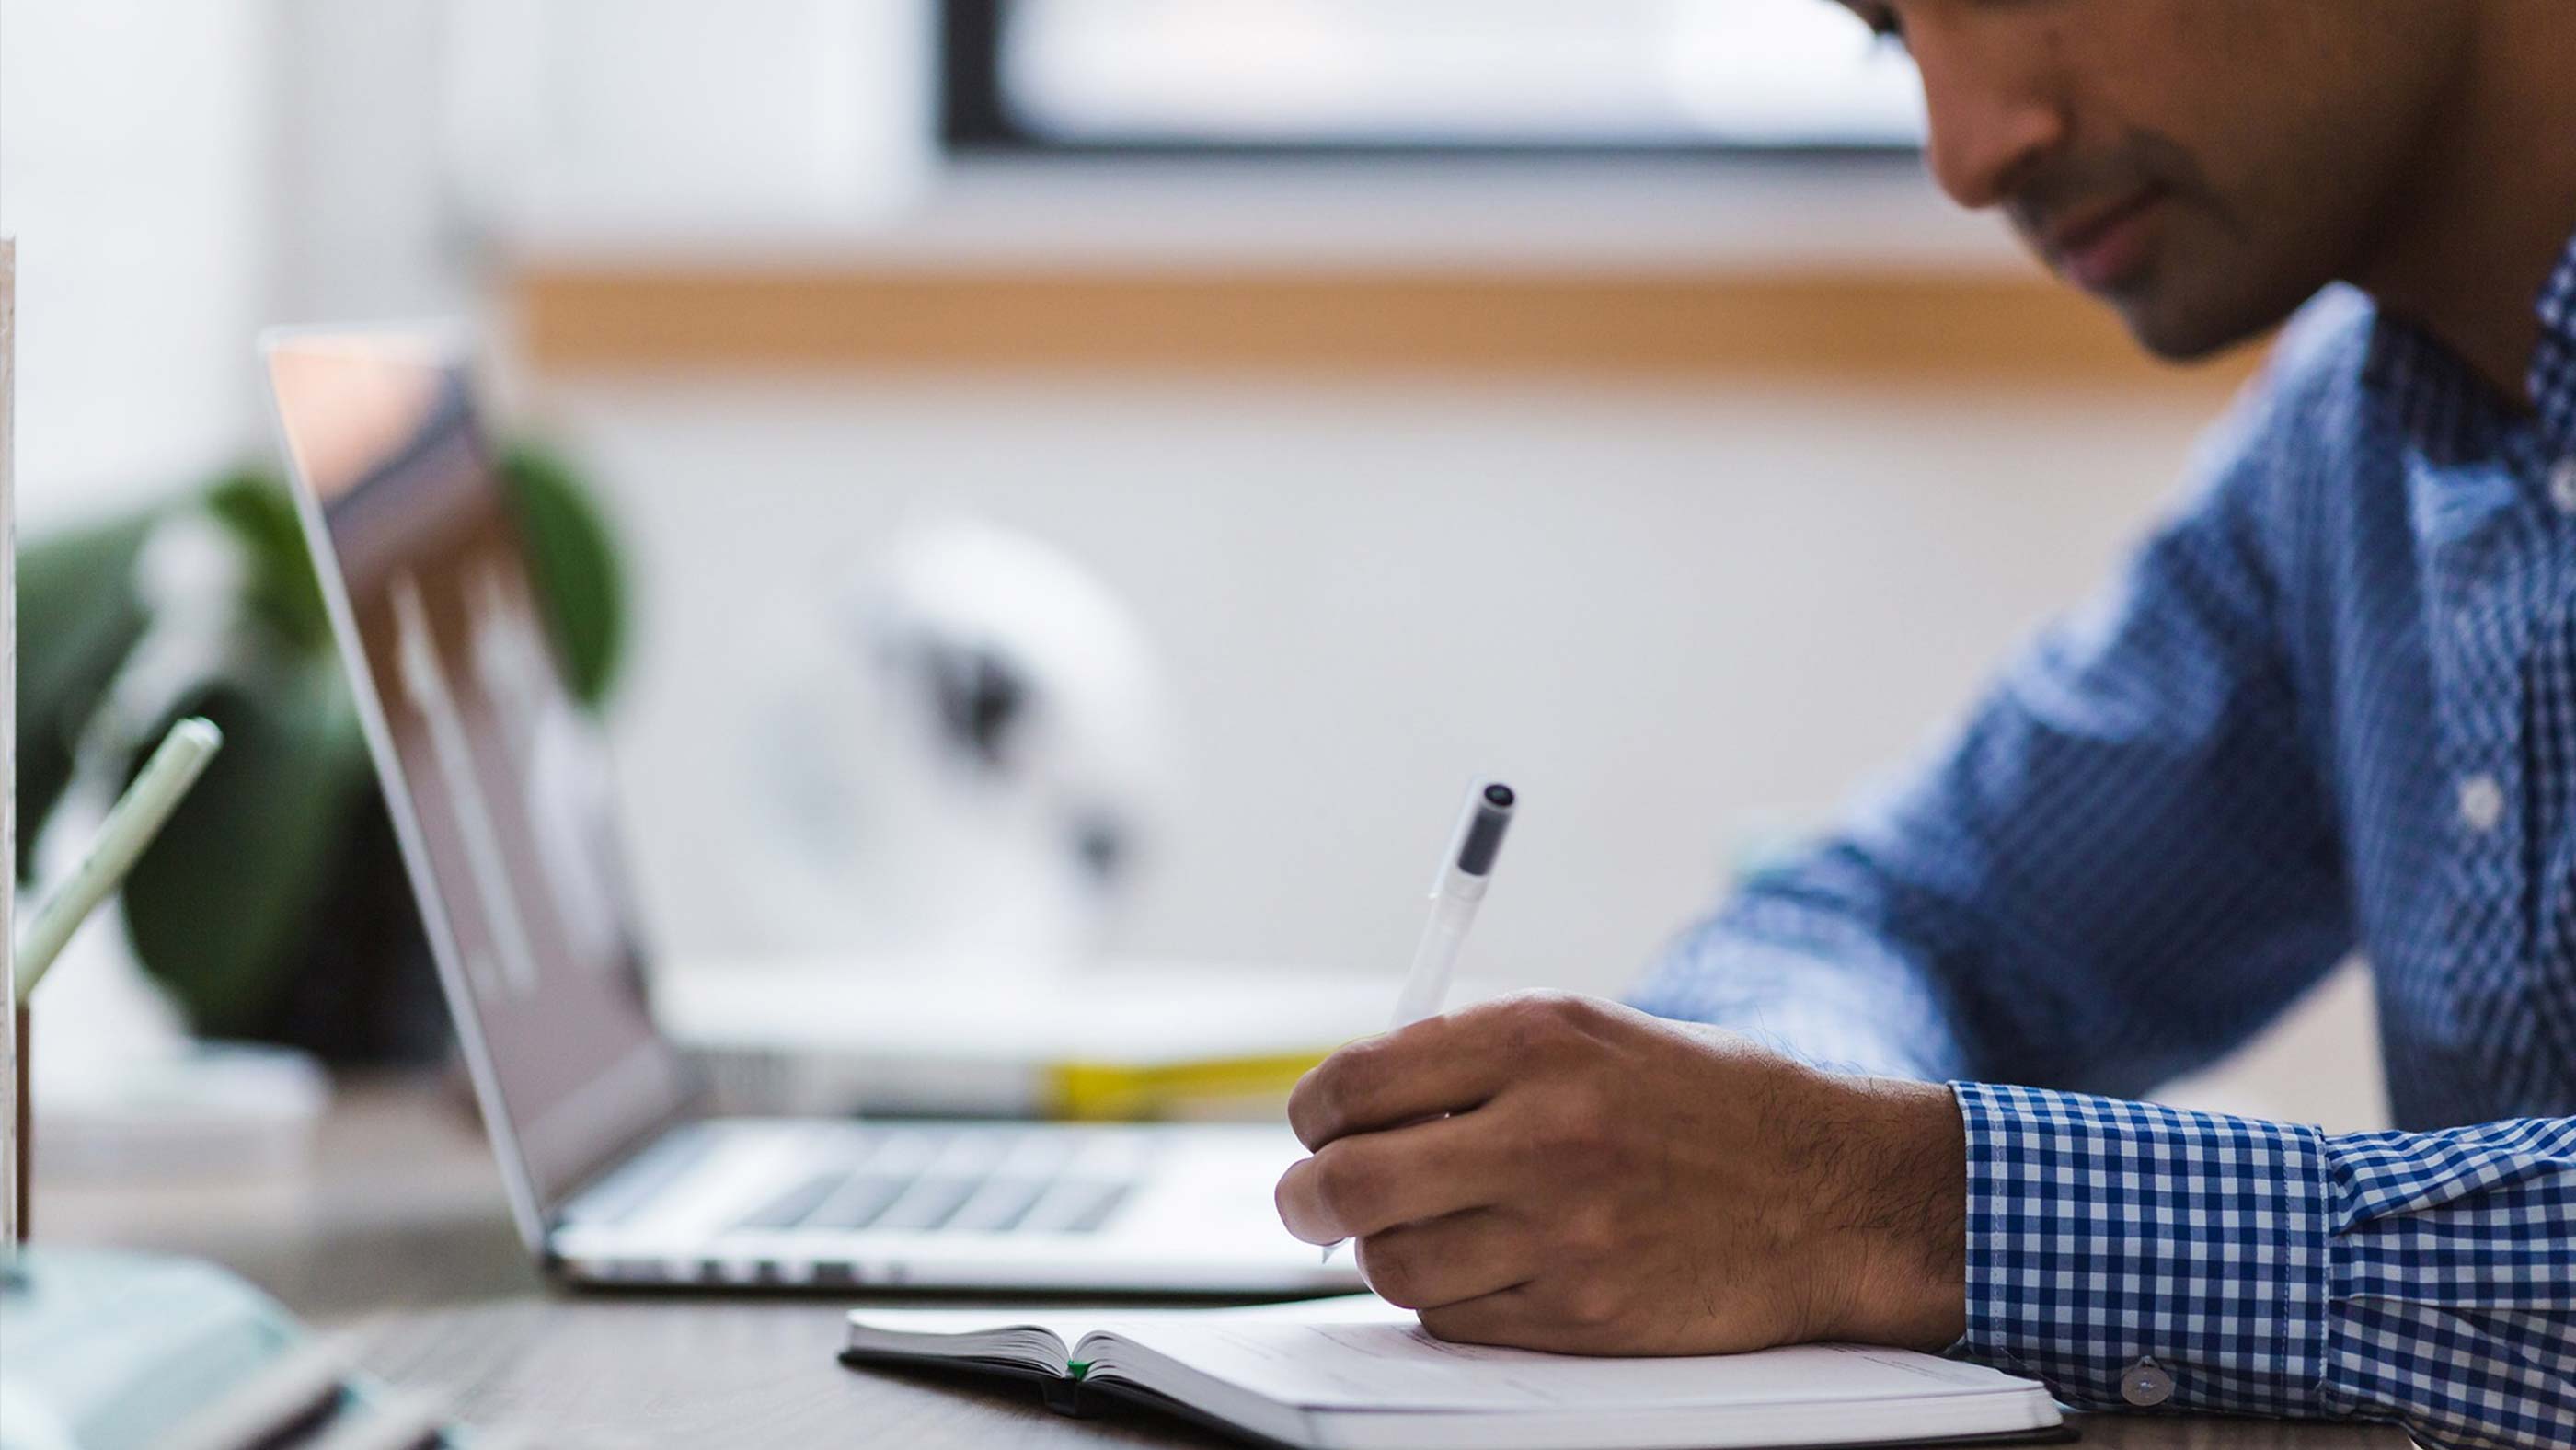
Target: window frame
975	120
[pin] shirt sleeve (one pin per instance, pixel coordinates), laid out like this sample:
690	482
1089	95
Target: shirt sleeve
2120	865
2140	1257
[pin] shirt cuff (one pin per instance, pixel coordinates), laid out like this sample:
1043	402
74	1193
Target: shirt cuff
2133	1256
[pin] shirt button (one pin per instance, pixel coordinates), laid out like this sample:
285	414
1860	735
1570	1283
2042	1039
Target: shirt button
2562	486
2146	1385
2481	803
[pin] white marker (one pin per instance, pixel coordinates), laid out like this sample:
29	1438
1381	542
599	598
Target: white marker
1466	868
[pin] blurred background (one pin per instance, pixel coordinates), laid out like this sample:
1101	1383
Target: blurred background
1358	396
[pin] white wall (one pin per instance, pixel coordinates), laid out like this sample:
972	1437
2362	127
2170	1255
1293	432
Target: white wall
1673	617
367	225
1653	613
134	172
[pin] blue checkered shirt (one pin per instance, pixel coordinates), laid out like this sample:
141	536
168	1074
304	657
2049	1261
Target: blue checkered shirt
2330	706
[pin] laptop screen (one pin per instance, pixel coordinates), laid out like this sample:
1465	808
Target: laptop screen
498	784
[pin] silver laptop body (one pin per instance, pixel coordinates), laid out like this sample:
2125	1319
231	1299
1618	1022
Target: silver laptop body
496	783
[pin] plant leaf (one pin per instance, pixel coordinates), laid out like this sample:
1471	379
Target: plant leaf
572	561
77	619
220	904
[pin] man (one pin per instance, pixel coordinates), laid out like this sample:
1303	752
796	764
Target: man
2331	706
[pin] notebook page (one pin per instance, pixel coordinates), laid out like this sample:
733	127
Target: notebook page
967	1334
967	1331
1388	1366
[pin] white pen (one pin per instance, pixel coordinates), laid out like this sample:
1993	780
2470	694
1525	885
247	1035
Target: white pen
1466	868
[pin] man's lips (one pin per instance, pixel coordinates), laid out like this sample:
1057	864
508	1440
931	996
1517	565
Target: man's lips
2101	248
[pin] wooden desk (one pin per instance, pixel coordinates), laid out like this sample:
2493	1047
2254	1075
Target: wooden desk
396	1241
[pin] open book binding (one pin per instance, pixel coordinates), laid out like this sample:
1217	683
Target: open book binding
1357	1374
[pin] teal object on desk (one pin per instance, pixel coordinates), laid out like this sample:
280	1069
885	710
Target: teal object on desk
110	1350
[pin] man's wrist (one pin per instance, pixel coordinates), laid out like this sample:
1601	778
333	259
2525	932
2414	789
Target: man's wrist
1902	1233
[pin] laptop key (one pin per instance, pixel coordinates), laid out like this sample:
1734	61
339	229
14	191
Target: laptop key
789	1209
928	1203
858	1201
1097	1211
1075	1206
998	1206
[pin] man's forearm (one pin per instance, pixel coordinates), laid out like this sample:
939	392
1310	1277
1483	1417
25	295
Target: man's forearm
1807	982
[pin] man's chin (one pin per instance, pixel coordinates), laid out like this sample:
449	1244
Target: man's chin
2179	334
2180	322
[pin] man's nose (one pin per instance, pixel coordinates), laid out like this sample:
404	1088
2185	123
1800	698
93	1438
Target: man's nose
1988	127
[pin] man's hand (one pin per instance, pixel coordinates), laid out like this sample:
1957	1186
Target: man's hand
1563	1173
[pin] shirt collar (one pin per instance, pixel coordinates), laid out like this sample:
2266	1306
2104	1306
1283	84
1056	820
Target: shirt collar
2450	411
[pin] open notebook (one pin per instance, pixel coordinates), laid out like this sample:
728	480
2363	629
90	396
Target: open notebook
1359	1374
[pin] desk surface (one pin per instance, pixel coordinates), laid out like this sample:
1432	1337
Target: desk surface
395	1240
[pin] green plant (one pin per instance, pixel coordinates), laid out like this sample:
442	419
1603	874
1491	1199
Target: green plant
273	904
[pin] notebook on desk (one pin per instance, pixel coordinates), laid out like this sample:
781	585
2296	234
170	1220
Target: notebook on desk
1358	1374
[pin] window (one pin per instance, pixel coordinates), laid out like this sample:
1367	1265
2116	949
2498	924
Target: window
1299	75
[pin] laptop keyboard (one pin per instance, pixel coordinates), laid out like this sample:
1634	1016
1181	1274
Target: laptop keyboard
926	1181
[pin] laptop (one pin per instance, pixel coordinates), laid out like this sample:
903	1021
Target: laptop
498	788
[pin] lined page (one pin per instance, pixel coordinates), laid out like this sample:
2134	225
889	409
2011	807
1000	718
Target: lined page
963	1332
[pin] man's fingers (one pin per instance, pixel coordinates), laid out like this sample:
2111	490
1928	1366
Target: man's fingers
1372	1181
1446	1260
1421	1071
1439	1065
1513	1316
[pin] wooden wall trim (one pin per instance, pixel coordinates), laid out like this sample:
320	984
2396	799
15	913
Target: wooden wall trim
1792	326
